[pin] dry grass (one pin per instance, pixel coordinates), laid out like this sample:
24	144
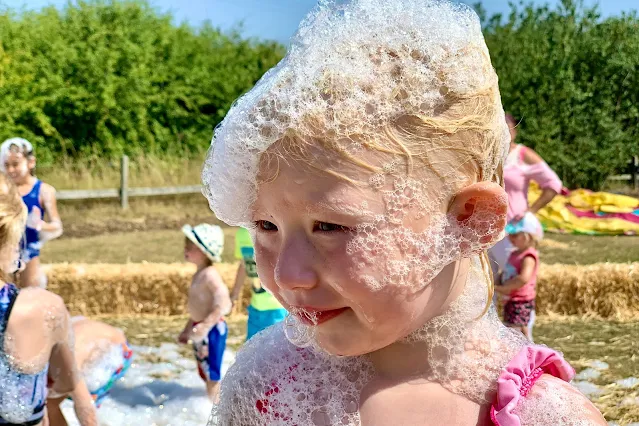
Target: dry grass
146	171
587	249
583	340
163	246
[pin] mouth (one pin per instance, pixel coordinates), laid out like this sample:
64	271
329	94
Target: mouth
312	316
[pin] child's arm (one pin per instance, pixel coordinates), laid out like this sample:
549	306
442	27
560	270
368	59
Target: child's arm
517	282
186	332
83	405
240	278
62	364
221	299
52	228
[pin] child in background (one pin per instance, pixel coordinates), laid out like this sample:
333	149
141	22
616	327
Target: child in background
35	331
519	278
103	357
264	310
208	302
18	161
368	165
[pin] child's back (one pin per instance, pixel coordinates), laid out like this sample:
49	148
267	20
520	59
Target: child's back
35	332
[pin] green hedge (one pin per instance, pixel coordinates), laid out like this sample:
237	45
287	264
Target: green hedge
573	80
103	78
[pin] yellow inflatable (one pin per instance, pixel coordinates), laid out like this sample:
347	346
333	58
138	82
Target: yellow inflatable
585	212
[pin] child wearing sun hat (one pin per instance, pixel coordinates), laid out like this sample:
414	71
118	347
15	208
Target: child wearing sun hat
208	302
519	279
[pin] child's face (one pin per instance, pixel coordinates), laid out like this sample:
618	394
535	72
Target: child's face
18	167
365	288
520	240
193	254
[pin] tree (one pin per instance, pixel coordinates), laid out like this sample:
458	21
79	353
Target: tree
106	77
572	77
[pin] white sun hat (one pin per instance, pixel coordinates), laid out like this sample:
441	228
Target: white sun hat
208	238
21	143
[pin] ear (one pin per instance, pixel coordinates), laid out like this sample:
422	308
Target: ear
480	209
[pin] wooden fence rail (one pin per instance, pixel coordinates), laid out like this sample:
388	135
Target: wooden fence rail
124	192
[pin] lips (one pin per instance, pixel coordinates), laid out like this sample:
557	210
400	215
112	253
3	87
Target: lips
311	316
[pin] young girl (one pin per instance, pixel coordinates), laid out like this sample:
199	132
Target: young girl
34	329
208	303
368	165
17	160
103	357
519	279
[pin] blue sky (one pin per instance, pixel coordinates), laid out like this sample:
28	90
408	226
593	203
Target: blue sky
278	19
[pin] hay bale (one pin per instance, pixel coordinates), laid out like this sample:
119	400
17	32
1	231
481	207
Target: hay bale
136	288
609	291
604	290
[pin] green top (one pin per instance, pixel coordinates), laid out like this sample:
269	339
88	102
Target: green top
244	251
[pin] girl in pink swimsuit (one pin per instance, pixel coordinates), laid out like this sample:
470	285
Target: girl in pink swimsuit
368	168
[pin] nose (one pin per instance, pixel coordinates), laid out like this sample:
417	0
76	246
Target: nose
295	267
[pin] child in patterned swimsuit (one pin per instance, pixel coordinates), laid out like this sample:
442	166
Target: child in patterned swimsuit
519	278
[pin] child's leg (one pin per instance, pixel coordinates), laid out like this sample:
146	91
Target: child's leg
531	323
213	390
54	413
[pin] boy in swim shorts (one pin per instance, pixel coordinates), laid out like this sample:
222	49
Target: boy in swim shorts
208	302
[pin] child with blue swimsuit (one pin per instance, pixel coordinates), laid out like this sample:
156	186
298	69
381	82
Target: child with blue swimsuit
17	160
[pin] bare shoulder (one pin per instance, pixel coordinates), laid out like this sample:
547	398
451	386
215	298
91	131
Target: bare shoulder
554	401
417	402
212	277
531	157
40	311
35	301
47	189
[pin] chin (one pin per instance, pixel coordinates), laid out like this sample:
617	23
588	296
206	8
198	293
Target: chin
344	341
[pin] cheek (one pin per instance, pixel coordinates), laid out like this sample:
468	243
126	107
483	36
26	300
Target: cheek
387	255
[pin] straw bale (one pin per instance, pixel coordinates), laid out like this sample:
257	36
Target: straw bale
135	288
603	290
609	291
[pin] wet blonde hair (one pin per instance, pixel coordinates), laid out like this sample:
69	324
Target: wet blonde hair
13	216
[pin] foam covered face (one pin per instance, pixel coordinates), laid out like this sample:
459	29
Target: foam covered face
17	166
356	264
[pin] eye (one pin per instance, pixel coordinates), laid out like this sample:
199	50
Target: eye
265	225
329	227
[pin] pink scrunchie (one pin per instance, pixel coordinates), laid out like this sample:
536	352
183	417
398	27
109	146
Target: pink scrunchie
519	376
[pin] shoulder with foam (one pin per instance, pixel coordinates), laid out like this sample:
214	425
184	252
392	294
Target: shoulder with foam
257	379
554	401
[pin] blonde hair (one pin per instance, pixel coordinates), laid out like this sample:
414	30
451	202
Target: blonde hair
465	140
13	216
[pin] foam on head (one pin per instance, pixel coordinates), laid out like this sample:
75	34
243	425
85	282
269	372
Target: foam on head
359	76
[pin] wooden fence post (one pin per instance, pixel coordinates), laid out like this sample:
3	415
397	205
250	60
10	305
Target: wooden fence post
124	182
